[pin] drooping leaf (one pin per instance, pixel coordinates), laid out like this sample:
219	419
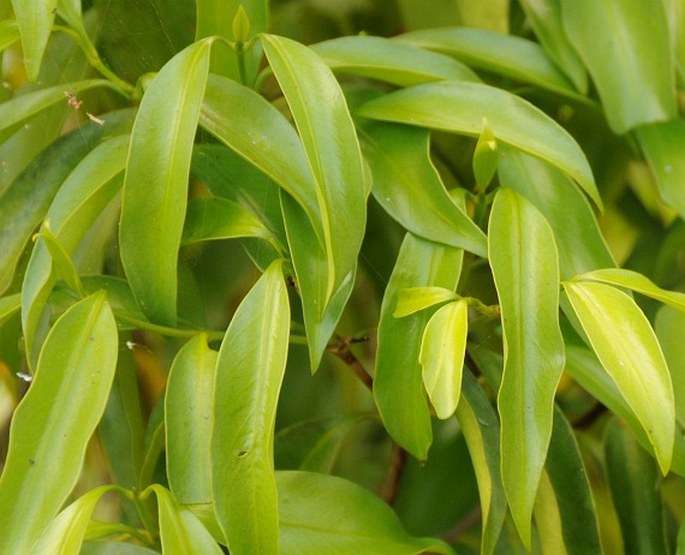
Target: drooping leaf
414	299
481	430
54	421
249	373
442	356
189	416
513	121
35	24
326	514
632	477
565	515
332	150
398	386
630	61
61	261
626	346
155	183
508	55
389	61
525	268
579	240
668	325
409	188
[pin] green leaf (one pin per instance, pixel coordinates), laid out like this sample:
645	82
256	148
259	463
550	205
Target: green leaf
67	530
579	240
525	267
35	20
180	531
115	548
82	197
24	203
632	477
9	33
485	157
513	121
398	387
662	145
332	150
189	416
326	514
156	180
63	265
248	379
442	356
53	423
630	60
9	306
389	61
409	188
544	16
481	430
565	515
626	346
511	56
668	325
414	299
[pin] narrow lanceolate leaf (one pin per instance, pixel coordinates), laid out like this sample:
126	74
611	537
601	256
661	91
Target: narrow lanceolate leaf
248	379
326	514
579	240
626	346
485	157
67	530
508	55
390	61
180	531
632	477
332	150
409	188
513	121
35	20
155	185
481	430
662	143
525	267
189	416
53	423
442	356
82	197
398	386
414	299
565	515
631	62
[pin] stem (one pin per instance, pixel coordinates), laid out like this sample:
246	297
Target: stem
167	331
240	52
341	349
398	460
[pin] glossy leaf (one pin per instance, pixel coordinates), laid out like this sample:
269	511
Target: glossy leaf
389	61
632	476
662	145
630	353
630	61
180	531
409	188
67	530
155	183
442	356
485	157
544	16
668	326
248	379
565	515
513	121
63	265
35	24
66	400
398	386
311	267
508	55
579	240
326	514
414	299
23	204
332	150
189	416
481	430
82	197
525	267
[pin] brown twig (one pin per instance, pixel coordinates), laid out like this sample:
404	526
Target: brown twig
398	460
341	349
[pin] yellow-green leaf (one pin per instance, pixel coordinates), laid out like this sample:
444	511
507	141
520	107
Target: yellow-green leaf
35	20
413	299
